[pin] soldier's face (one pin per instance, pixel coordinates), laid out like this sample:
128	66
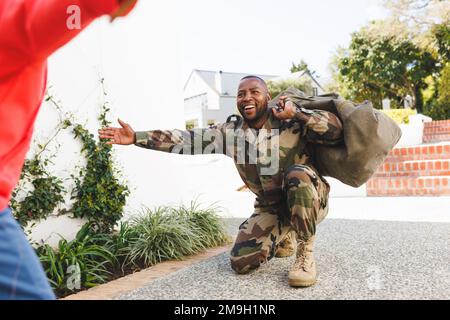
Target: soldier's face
252	99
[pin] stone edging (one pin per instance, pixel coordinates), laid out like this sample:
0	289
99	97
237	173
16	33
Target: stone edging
136	280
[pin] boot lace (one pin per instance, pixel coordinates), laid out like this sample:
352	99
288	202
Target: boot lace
302	261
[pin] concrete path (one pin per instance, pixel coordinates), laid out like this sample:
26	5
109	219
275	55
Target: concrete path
356	259
367	248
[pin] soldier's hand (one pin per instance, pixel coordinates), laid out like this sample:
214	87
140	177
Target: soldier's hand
285	109
123	136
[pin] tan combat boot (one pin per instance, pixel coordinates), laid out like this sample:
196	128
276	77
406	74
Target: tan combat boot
286	248
303	273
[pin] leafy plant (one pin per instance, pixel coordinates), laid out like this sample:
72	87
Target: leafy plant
400	115
98	194
378	67
439	109
206	222
171	233
47	190
91	261
160	235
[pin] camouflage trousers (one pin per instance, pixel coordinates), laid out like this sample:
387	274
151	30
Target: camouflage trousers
304	205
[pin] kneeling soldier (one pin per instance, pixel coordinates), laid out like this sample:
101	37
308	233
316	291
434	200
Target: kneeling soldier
291	196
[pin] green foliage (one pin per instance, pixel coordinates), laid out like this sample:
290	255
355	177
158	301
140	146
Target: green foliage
156	235
89	261
118	243
375	68
441	33
206	222
276	87
439	109
302	66
98	194
47	192
165	233
400	115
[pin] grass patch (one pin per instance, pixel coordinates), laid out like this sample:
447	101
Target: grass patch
167	233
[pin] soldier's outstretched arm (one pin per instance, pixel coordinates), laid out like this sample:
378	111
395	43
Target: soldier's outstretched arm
196	141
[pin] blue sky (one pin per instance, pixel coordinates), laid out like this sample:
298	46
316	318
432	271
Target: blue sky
265	36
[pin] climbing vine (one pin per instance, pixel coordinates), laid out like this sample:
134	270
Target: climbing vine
97	195
47	191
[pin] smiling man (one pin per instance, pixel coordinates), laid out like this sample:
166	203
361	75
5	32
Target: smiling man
290	200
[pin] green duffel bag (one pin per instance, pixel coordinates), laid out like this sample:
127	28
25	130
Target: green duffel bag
369	135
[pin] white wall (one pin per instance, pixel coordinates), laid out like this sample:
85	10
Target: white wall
412	133
142	70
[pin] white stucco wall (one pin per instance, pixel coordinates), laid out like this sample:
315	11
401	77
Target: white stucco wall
412	133
142	70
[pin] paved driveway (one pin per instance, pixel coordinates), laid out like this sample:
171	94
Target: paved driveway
356	260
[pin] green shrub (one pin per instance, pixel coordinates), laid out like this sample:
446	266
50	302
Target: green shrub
98	194
46	194
172	233
160	235
400	115
439	109
90	262
206	222
153	236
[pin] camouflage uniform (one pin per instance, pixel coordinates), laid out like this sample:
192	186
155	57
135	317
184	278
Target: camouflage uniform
295	197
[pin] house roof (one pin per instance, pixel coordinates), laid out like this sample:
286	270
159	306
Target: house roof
229	80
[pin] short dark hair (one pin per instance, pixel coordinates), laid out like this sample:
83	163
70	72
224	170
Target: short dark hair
253	77
257	78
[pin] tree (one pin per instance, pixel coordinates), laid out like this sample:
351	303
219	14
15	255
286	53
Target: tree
414	20
399	55
418	14
441	33
439	108
376	67
302	66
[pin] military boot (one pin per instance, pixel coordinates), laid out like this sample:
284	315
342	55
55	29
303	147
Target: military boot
303	273
286	248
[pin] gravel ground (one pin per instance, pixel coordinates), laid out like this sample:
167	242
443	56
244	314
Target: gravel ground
356	260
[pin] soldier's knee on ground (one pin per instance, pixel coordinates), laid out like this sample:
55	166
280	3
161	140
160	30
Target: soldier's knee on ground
246	263
243	265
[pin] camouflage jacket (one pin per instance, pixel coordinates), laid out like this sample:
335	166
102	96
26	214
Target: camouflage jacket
261	156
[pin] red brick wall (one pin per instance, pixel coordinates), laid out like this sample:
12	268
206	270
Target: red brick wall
413	171
436	131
